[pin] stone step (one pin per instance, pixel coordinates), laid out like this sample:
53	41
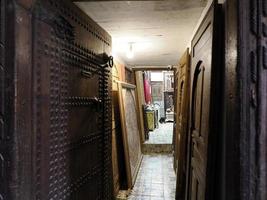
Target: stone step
157	148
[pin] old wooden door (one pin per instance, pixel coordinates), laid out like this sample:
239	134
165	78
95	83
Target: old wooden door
73	142
181	121
205	80
59	98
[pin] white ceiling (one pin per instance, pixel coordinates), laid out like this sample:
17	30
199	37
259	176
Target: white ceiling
159	30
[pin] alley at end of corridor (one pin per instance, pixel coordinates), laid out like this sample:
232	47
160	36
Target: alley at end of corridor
156	179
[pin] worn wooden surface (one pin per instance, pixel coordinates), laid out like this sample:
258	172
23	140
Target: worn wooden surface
129	76
201	80
140	101
205	105
245	136
182	98
5	107
118	161
59	104
131	130
115	129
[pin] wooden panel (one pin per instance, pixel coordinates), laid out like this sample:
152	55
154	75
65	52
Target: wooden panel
5	108
116	75
131	130
59	103
116	149
129	76
115	164
181	120
205	116
122	78
140	101
75	87
261	82
245	136
119	174
15	145
201	78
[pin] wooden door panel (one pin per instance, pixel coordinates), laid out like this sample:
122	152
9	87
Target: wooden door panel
61	91
202	107
198	102
74	133
182	84
199	131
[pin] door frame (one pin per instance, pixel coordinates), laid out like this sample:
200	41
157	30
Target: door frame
138	95
244	175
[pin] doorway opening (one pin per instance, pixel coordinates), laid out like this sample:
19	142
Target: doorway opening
156	177
159	108
147	35
156	95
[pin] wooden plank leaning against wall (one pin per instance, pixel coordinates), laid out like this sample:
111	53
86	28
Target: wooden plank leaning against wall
130	130
118	74
182	95
141	101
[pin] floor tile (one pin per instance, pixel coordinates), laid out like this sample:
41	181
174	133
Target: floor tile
156	179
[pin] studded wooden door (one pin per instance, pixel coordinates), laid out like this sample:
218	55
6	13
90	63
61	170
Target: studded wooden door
205	91
181	120
65	149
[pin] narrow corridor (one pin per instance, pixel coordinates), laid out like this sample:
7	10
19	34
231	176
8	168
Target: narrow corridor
133	100
156	179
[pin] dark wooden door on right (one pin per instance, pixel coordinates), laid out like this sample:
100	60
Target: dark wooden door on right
204	87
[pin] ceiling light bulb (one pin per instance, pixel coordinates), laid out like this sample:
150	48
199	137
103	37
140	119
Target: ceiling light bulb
130	53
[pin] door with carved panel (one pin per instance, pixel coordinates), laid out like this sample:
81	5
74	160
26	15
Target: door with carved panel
205	81
181	120
57	142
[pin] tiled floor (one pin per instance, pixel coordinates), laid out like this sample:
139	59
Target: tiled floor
156	179
161	135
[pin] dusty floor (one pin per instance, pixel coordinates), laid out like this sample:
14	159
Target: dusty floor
161	135
156	179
